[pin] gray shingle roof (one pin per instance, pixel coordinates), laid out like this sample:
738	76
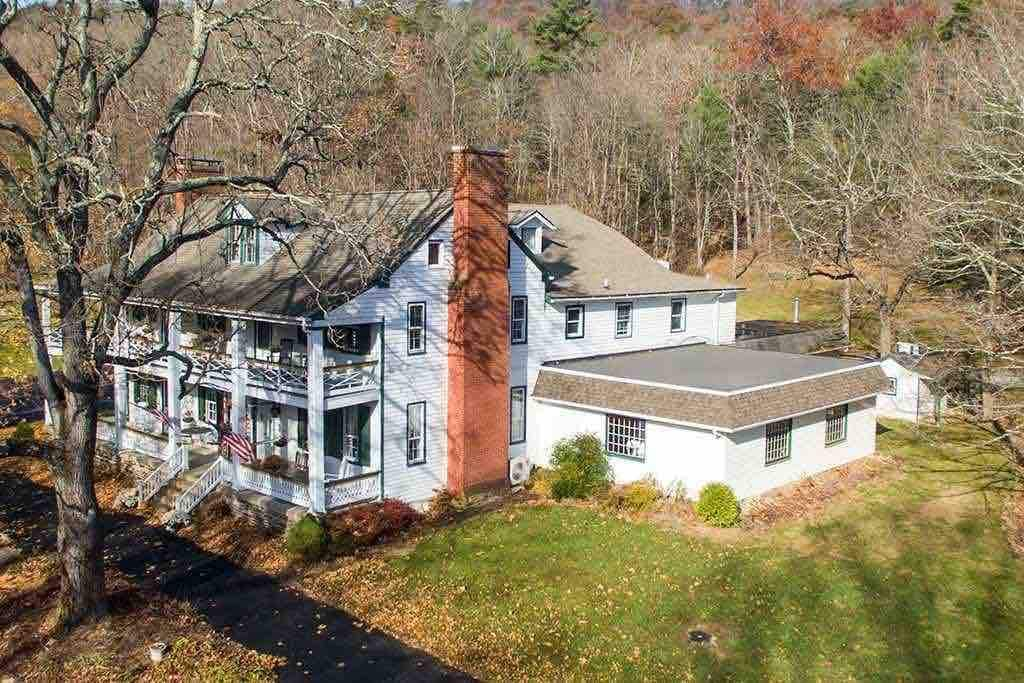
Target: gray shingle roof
317	260
581	253
740	407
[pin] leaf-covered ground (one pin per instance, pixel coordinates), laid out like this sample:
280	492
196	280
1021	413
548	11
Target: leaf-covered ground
901	581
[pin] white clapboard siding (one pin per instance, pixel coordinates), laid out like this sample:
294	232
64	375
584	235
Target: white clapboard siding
409	379
745	454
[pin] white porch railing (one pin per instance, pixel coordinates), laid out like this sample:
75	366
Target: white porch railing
159	477
274	486
218	471
277	375
55	341
342	379
214	365
360	489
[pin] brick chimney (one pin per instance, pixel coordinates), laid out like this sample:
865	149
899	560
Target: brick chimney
478	351
189	167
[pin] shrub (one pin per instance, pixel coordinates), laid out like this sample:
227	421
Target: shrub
638	496
22	440
445	504
369	524
306	540
717	505
581	467
541	482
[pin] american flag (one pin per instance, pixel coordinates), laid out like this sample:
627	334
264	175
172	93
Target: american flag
239	445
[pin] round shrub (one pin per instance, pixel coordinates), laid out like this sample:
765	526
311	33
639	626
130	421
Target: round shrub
641	496
581	468
717	505
306	540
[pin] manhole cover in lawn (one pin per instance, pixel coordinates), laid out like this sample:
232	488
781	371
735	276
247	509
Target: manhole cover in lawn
698	636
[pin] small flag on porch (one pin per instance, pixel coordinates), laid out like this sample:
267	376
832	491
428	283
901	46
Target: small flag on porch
238	445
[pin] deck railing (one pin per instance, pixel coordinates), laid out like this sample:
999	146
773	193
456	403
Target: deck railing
359	489
277	375
274	486
213	364
342	379
159	477
219	470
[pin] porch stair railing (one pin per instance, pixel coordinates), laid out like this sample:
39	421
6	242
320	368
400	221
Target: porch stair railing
163	474
215	473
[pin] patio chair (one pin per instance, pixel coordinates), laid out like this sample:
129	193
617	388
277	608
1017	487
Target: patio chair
301	460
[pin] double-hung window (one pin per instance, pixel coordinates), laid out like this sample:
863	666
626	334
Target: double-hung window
835	424
518	325
249	245
575	321
893	386
677	316
146	394
778	440
517	415
626	436
209	407
417	319
415	431
623	320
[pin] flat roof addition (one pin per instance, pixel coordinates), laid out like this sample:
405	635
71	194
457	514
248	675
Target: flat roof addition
709	368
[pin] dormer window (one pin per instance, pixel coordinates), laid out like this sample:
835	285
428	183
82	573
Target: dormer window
249	245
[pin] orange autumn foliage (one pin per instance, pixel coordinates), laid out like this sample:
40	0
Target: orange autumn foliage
784	39
889	21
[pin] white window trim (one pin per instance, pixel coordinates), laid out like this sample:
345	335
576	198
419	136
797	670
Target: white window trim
671	316
422	328
629	333
582	321
894	386
626	427
511	428
421	449
525	319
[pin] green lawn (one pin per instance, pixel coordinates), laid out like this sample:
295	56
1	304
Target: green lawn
900	582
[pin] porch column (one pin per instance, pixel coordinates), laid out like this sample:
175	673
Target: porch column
46	313
315	423
239	378
173	407
120	405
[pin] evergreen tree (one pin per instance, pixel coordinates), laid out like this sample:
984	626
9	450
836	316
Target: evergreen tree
562	34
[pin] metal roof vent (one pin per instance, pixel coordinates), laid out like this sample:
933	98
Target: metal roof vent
606	284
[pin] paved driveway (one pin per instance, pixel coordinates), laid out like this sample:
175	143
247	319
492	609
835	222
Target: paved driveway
252	608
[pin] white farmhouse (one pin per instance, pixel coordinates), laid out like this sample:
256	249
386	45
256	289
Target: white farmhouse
489	331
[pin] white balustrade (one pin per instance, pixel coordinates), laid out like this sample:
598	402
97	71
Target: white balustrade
360	489
342	379
55	341
159	477
277	375
272	485
210	479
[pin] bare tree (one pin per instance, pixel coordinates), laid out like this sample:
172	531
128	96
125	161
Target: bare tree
76	205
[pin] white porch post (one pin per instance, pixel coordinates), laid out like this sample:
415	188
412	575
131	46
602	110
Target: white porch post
173	407
315	413
46	312
120	405
239	378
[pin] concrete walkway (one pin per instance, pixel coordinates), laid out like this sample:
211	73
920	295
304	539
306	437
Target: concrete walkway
252	608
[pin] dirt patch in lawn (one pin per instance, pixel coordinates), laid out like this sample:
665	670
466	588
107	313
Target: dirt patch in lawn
810	497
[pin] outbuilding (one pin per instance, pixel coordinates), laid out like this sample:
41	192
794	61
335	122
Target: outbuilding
690	415
913	391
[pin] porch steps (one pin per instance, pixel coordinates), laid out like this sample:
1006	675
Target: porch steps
163	501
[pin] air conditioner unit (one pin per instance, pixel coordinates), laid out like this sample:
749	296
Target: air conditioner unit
518	470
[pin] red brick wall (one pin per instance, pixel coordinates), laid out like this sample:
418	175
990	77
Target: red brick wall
478	352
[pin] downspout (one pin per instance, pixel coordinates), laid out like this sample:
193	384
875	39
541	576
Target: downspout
380	403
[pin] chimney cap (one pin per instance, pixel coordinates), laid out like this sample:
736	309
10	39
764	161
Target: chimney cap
493	151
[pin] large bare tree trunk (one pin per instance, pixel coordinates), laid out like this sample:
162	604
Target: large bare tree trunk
79	538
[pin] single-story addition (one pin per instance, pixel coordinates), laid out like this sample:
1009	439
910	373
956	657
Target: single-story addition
690	415
912	390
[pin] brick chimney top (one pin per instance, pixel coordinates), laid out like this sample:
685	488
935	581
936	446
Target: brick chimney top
194	167
485	151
